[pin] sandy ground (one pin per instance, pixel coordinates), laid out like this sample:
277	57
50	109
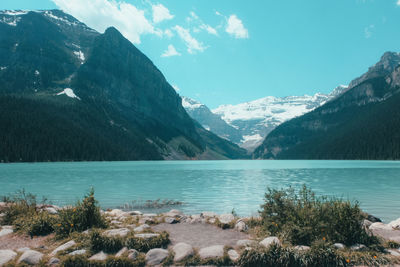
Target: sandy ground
16	241
200	235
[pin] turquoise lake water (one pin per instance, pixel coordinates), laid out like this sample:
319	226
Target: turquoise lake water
217	186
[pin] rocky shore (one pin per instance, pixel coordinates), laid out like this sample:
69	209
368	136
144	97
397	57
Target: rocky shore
205	236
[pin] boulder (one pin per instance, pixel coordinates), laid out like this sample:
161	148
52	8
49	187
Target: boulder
269	241
141	228
115	222
51	210
339	246
122	232
6	231
393	252
367	224
121	252
156	256
53	261
196	219
150	215
101	256
379	226
63	247
132	254
22	250
146	236
395	225
208	214
212	220
241	226
135	212
358	247
182	251
226	218
6	255
245	243
30	257
78	252
301	248
171	220
173	213
373	219
116	213
216	251
233	255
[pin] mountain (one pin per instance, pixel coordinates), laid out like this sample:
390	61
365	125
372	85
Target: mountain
247	124
70	93
362	123
211	121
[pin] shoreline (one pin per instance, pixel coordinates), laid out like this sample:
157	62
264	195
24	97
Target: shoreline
208	236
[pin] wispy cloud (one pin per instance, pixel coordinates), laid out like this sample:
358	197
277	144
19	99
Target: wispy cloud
236	28
368	31
398	2
161	13
192	44
170	52
101	14
200	25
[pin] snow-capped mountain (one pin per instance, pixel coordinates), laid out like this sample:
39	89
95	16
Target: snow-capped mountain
254	120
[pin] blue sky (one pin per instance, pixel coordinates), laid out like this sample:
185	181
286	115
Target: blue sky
231	51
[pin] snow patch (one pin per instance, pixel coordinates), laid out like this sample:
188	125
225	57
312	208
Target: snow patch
80	55
63	20
252	138
14	12
3	68
12	21
191	104
37	73
69	92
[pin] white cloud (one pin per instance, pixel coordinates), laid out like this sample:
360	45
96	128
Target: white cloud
101	14
200	25
161	13
168	33
192	44
176	87
209	29
236	28
398	2
170	52
368	31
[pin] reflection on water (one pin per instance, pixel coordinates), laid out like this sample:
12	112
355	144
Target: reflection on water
216	186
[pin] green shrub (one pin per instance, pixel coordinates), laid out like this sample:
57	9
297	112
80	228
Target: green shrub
98	242
36	224
81	261
145	244
303	218
83	216
277	256
19	205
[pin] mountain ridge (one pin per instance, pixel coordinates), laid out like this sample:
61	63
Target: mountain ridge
356	125
99	85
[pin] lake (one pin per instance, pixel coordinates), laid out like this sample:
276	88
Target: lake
218	186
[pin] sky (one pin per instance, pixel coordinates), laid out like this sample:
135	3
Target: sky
234	51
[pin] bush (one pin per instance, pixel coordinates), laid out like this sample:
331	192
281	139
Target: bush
145	244
19	205
276	256
83	216
304	218
99	242
36	224
81	261
107	244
